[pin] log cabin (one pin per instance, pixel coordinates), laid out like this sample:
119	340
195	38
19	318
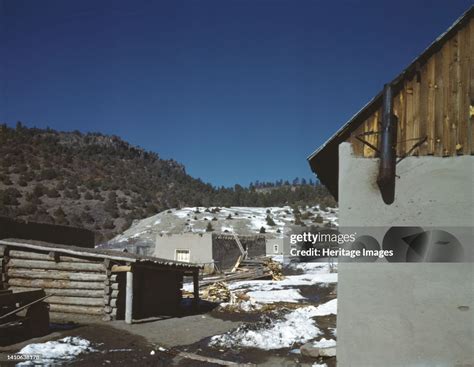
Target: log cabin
100	283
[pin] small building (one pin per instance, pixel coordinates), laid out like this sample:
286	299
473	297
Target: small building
275	246
214	251
99	283
404	165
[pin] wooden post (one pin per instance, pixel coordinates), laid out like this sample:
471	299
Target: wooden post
196	288
129	298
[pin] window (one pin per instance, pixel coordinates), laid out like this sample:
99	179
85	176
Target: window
182	255
275	249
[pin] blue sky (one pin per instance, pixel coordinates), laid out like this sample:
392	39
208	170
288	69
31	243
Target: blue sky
236	90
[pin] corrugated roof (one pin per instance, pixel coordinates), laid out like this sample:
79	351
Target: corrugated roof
330	146
97	253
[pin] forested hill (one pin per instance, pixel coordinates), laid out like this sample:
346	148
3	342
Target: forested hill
103	183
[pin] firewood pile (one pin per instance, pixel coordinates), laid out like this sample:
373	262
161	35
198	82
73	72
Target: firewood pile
218	292
274	268
214	288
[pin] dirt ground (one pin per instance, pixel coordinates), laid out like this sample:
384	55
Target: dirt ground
157	342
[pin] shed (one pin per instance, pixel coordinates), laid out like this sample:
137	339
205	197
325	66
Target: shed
96	282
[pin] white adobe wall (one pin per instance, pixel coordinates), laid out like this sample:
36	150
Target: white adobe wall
406	314
199	245
270	244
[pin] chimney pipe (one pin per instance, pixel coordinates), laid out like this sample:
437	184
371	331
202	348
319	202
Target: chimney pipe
388	151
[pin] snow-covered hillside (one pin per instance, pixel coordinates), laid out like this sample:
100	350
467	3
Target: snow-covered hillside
239	220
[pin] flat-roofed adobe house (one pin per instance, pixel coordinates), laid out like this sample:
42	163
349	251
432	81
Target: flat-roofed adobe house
406	160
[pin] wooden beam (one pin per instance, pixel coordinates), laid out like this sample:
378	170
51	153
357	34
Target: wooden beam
196	288
84	310
47	283
50	256
55	274
121	268
91	293
79	301
50	265
129	298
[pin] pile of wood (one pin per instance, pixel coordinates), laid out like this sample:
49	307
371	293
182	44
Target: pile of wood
275	269
218	292
248	269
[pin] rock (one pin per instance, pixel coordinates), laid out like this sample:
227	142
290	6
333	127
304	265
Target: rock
327	352
309	350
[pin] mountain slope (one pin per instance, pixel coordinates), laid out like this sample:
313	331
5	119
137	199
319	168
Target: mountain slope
103	183
87	180
275	221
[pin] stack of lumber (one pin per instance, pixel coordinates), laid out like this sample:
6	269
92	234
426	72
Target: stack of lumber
77	285
241	274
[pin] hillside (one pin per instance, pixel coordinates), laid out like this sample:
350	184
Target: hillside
103	183
275	221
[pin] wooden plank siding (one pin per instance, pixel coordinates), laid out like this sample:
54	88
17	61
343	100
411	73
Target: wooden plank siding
436	101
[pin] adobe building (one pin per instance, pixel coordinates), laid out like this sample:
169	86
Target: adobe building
213	251
404	162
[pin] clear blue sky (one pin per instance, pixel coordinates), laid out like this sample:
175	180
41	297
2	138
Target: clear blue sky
236	90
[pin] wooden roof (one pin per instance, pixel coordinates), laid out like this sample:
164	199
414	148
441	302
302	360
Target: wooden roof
98	253
324	161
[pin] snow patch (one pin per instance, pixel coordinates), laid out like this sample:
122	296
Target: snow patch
283	295
296	327
325	343
328	308
55	352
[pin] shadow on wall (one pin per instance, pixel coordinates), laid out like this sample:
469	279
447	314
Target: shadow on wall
65	235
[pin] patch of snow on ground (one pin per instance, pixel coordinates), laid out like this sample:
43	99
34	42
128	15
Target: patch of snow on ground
283	295
286	290
319	365
183	213
296	327
289	281
328	308
325	343
55	352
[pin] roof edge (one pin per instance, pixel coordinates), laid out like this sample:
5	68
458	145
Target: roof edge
378	98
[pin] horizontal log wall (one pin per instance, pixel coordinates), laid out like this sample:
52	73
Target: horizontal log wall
77	285
437	101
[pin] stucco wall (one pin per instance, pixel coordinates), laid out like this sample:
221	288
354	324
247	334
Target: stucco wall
406	314
199	245
270	246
